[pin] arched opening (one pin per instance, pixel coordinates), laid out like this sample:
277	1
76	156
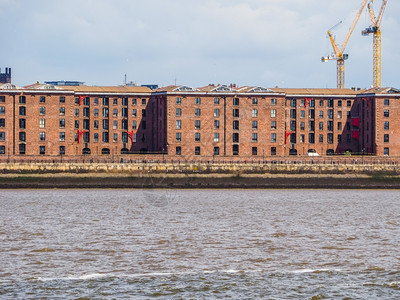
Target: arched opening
330	152
293	152
312	152
124	151
86	151
105	151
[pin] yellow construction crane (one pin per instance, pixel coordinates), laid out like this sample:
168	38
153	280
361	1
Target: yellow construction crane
376	30
338	55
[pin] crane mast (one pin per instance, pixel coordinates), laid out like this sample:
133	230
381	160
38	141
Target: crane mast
339	56
377	42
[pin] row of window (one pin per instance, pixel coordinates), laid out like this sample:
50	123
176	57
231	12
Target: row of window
106	101
217	101
105	110
216	150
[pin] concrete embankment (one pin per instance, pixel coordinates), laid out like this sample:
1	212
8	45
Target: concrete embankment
147	175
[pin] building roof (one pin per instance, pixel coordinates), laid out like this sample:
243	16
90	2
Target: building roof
381	91
316	92
81	89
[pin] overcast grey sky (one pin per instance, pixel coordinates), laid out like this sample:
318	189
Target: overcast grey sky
254	42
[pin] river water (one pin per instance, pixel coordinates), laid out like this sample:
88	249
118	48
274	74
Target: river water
197	244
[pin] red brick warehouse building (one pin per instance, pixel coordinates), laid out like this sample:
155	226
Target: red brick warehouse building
216	120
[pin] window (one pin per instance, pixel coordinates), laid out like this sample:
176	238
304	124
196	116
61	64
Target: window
330	114
330	125
2	99
321	114
124	124
2	123
2	149
293	103
22	99
273	113
321	126
197	101
349	113
76	112
255	101
143	113
254	113
197	112
42	123
86	112
96	138
178	150
62	136
311	103
178	137
302	126
330	138
216	124
115	112
96	124
235	149
216	112
42	136
311	138
339	125
339	114
134	125
386	113
96	101
115	137
386	102
42	150
273	101
96	112
254	124
105	112
197	137
311	126
22	136
321	138
348	103
197	124
254	137
22	123
105	101
216	101
339	138
2	135
386	151
197	150
254	150
105	137
86	101
386	138
76	124
302	114
236	113
134	101
321	103
124	112
22	148
273	150
216	150
42	99
273	125
178	100
134	112
178	124
330	103
124	137
235	101
302	138
178	112
105	124
311	114
125	101
236	125
115	124
62	111
62	150
235	137
115	101
386	125
339	103
293	125
273	137
216	137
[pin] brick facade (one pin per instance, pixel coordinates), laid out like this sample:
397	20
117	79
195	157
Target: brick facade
223	121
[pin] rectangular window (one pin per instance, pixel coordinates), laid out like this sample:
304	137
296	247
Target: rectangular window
2	123
330	125
124	137
330	138
236	125
62	150
293	114
197	150
115	112
216	112
386	125
216	137
216	150
115	137
197	101
62	136
311	126
339	103
96	124
106	101
124	101
293	125
197	112
254	113
273	150
302	126
115	101
2	99
254	137
42	136
86	101
311	138
235	137
22	99
236	113
22	123
134	125
216	124
124	124
386	138
105	124
254	150
302	114
321	138
321	114
42	123
62	111
302	138
96	112
96	137
143	113
339	138
42	150
348	103
62	99
273	125
197	124
178	124
124	112
42	99
96	101
386	113
86	112
22	136
178	112
178	150
105	137
2	135
134	112
293	103
339	125
254	124
42	111
178	137
311	114
339	114
76	112
197	137
178	100
235	101
386	151
330	103
216	101
330	114
321	126
76	124
105	112
255	101
273	137
115	124
273	101
386	102
321	103
273	113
